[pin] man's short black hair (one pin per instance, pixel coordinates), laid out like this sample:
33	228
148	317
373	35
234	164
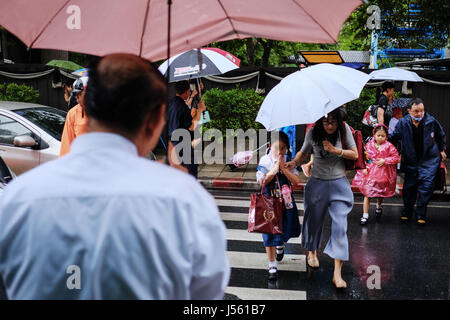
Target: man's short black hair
387	85
413	101
123	90
181	86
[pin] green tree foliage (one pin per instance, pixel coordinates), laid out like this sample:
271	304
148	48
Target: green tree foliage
257	52
232	109
356	109
395	14
18	92
434	17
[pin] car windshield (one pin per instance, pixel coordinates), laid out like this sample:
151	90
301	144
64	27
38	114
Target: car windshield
49	119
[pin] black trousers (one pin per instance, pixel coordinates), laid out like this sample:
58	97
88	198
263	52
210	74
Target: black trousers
417	192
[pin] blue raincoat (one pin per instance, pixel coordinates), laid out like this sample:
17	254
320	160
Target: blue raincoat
419	173
434	142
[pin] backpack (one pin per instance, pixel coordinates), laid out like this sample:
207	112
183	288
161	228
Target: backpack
370	116
358	163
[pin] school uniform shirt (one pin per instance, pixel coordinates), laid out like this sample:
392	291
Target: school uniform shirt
266	163
290	223
104	223
75	125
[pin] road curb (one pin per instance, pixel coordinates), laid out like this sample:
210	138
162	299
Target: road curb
250	185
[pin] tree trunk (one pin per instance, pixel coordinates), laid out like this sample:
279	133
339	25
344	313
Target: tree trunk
251	44
267	45
3	44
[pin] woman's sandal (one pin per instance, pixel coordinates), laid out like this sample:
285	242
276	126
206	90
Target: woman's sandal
340	284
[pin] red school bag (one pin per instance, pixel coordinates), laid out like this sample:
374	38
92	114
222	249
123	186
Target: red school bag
358	163
265	213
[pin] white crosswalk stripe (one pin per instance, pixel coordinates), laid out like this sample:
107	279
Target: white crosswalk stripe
253	260
244	235
245	203
257	260
266	294
243	217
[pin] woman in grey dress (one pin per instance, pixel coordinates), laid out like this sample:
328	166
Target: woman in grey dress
327	190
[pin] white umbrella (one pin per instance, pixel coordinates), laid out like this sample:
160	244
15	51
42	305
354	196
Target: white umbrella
395	74
307	95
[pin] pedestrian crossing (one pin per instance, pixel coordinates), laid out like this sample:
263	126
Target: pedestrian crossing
248	260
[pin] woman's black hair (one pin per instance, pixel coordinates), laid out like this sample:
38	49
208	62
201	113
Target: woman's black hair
279	136
319	134
387	85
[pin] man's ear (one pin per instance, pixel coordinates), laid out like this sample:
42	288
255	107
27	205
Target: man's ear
156	121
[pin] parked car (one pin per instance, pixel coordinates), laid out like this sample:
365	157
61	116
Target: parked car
6	175
30	134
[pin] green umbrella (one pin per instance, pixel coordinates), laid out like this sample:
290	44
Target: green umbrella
64	64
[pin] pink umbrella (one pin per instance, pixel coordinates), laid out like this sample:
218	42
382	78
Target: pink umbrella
141	26
242	158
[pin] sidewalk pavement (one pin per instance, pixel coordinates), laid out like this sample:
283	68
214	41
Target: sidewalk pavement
217	176
220	176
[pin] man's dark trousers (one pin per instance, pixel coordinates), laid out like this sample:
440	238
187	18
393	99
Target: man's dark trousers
420	190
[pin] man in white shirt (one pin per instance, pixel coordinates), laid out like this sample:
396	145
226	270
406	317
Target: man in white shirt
103	222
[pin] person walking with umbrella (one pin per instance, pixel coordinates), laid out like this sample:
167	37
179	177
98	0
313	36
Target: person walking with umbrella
327	190
180	117
384	112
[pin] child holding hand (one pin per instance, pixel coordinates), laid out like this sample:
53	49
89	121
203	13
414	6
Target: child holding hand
276	177
379	179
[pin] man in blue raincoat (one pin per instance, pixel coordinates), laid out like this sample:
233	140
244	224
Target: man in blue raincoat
423	146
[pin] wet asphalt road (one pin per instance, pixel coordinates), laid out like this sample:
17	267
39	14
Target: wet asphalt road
414	261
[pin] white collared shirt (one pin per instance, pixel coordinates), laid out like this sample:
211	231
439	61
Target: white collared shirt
134	228
266	163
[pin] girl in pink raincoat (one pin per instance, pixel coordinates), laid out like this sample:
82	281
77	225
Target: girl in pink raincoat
379	179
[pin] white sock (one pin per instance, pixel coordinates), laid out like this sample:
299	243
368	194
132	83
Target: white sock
272	264
280	249
366	215
378	206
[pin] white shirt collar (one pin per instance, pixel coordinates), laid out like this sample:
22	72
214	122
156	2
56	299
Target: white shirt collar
102	140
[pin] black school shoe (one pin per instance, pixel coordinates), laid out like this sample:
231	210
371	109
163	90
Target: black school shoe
280	255
364	221
378	212
272	275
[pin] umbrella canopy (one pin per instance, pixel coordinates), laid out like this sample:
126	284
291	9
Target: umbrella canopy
395	74
81	72
307	95
400	102
186	65
64	64
140	26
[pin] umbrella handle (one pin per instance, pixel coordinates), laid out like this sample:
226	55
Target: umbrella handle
261	147
199	90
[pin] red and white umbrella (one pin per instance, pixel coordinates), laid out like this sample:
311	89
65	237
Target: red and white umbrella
198	63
